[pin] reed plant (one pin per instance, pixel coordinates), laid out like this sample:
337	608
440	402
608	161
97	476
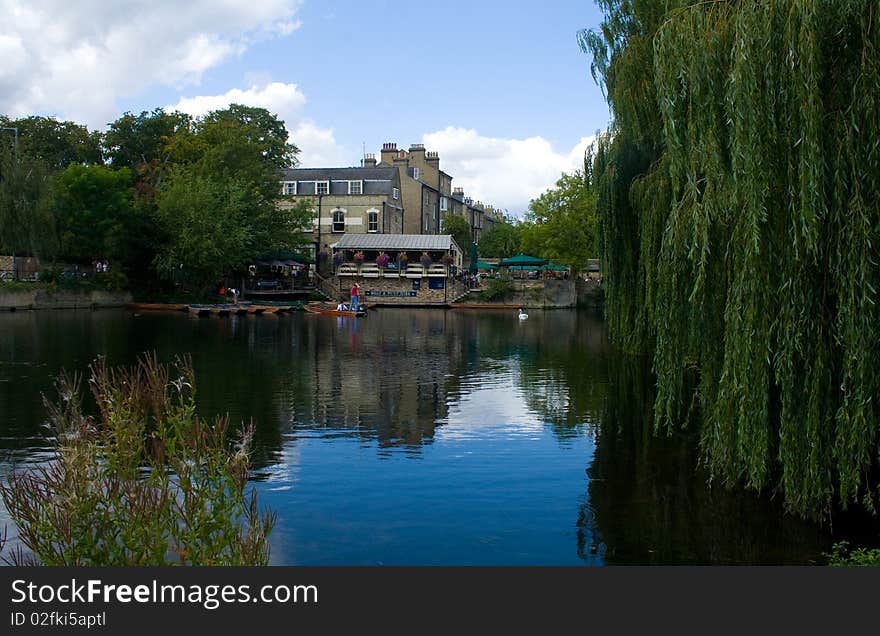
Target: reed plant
145	482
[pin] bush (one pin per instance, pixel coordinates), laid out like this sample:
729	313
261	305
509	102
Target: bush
498	288
841	555
146	483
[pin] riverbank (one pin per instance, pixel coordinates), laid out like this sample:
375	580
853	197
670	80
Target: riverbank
48	298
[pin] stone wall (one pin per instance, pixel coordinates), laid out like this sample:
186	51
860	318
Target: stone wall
546	294
44	299
399	291
590	294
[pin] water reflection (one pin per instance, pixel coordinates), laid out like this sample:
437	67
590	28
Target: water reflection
427	436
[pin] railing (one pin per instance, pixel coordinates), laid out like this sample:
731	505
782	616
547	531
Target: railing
327	287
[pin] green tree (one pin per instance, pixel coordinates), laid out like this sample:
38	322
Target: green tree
26	223
460	230
501	241
218	208
262	129
561	223
94	212
738	231
56	143
145	144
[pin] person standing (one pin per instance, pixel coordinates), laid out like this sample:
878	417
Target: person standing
354	297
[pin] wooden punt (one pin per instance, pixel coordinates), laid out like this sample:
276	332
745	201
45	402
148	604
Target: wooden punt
332	311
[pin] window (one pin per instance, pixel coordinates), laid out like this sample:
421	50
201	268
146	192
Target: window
355	187
444	204
416	173
338	220
288	188
372	220
395	192
322	187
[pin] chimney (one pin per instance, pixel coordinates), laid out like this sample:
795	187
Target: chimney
433	160
369	160
458	193
389	152
417	152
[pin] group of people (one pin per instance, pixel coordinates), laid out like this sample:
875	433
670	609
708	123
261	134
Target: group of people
355	293
100	267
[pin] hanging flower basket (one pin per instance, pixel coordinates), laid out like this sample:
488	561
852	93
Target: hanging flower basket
337	259
382	260
425	260
358	257
402	259
448	259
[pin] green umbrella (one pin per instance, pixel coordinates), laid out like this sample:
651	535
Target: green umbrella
554	268
523	260
482	265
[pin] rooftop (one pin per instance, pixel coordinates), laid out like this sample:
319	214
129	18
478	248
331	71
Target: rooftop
404	242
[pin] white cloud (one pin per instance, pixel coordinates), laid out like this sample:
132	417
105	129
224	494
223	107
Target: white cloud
74	59
506	173
318	146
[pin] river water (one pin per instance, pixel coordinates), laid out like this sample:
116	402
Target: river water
427	436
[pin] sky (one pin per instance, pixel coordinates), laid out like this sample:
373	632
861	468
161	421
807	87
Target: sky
499	89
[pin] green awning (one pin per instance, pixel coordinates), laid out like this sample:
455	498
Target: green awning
523	260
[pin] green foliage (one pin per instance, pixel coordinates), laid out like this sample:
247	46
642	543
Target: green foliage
561	223
55	143
261	128
147	483
460	230
738	230
842	556
502	241
94	212
26	224
497	289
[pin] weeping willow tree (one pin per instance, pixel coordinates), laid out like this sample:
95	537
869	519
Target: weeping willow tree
739	211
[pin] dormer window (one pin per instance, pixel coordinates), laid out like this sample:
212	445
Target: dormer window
288	188
322	187
355	187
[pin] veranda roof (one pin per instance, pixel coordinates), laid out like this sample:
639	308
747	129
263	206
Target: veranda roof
397	242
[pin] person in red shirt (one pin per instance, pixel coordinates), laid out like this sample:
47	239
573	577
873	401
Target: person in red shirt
354	297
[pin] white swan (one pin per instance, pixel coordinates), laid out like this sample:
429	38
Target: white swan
522	315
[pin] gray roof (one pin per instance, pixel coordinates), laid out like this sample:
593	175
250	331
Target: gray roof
344	174
406	242
375	180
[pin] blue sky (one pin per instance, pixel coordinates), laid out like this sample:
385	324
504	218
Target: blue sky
500	90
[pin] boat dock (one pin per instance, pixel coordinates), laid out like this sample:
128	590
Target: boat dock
216	310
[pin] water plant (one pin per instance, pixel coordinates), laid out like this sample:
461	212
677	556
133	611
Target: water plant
146	482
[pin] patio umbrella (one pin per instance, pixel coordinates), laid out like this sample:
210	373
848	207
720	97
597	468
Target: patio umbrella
482	265
523	260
